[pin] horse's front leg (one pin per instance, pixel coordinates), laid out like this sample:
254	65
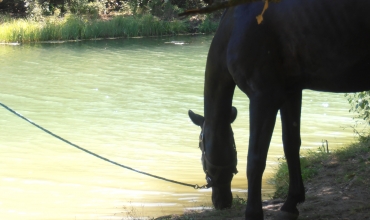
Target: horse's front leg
263	110
290	117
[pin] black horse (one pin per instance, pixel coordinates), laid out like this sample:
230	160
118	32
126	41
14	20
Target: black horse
320	45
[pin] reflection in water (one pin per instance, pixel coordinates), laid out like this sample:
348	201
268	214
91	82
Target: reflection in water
126	100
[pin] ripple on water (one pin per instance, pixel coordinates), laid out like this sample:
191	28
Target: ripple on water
126	100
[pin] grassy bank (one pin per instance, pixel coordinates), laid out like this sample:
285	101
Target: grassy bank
73	27
337	187
315	162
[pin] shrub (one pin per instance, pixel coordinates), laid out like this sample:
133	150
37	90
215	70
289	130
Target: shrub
84	7
13	6
208	25
187	4
164	10
360	104
310	166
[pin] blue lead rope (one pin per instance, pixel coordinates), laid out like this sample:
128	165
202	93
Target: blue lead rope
196	186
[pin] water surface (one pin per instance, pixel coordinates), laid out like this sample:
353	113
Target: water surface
126	100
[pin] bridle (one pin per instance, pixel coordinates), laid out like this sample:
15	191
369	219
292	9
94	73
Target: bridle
208	167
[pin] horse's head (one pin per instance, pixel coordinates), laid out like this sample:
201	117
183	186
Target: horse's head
219	157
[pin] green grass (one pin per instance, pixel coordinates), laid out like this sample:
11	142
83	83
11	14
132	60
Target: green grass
314	161
74	27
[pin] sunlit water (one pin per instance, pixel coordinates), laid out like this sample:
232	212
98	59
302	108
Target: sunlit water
126	100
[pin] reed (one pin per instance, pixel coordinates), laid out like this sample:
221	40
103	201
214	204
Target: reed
74	27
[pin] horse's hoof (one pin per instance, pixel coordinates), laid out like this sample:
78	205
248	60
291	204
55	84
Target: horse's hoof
286	216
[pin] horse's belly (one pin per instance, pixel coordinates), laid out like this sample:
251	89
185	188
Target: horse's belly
353	79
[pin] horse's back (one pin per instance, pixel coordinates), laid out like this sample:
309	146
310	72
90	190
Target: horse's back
314	44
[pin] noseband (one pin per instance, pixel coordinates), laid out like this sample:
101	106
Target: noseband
208	167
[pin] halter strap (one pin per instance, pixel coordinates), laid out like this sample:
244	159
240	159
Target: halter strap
207	165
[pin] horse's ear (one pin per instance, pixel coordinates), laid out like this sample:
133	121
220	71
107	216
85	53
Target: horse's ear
195	118
234	113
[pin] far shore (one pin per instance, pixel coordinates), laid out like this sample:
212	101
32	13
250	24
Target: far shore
73	28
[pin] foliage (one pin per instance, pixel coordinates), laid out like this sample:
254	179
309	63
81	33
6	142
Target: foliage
45	20
360	148
187	4
310	166
34	10
218	5
239	202
164	10
317	160
208	25
13	6
74	27
87	7
5	18
25	8
360	104
161	8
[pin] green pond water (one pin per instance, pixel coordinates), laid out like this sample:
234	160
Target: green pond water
126	100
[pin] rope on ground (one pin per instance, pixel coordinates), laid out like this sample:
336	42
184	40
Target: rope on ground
196	186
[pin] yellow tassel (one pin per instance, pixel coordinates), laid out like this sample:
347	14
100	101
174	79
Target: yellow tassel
260	16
